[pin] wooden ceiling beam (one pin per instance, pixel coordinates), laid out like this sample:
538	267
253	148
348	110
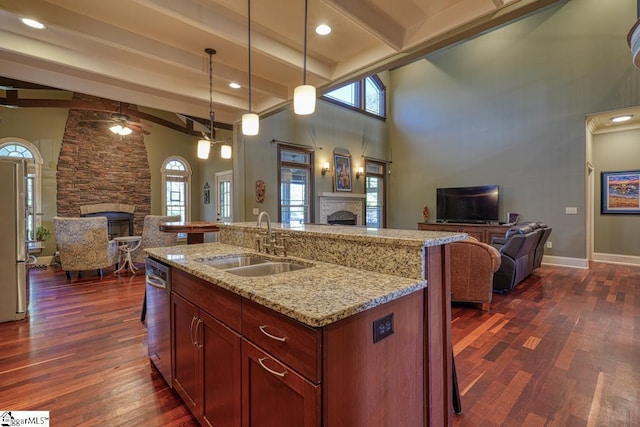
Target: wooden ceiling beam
11	100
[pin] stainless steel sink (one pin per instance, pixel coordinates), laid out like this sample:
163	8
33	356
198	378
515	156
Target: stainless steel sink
232	261
250	266
265	269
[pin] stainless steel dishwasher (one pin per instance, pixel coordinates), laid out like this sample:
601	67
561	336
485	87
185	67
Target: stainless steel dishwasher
158	318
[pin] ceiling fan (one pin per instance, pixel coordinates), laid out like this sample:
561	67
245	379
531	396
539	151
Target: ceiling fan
121	124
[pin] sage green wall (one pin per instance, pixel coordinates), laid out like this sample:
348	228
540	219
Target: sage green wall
615	234
44	127
330	127
164	142
508	108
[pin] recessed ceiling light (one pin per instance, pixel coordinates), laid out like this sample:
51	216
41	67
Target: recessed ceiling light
619	119
323	29
32	23
234	85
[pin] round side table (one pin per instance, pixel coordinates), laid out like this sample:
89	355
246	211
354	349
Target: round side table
126	245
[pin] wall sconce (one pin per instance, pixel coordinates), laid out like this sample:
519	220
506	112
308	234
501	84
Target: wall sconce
325	168
359	172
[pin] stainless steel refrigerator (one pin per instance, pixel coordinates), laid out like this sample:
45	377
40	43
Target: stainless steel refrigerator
13	246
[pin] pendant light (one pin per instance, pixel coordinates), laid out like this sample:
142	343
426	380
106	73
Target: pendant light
250	121
225	151
204	144
304	96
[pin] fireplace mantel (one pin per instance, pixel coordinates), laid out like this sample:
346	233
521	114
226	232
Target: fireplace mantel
333	202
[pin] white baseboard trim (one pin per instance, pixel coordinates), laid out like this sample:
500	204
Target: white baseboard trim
561	261
617	259
44	260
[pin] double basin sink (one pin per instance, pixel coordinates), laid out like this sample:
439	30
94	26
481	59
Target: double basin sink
250	265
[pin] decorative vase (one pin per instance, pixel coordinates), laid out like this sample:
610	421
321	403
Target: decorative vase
426	213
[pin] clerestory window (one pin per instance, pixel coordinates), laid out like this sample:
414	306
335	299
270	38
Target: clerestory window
367	95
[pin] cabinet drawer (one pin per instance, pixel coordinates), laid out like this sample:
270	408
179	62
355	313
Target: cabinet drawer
293	343
219	303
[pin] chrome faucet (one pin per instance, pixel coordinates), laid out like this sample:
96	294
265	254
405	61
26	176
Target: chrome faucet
264	213
270	241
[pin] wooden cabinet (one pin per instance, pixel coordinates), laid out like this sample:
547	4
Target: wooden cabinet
482	232
274	395
281	371
207	354
186	355
276	371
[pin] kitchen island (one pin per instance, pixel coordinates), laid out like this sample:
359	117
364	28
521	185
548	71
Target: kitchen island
360	336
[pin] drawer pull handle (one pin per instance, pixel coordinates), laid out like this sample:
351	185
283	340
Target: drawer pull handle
199	333
263	329
191	331
266	368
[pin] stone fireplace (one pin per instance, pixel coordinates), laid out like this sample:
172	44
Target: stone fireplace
96	167
334	208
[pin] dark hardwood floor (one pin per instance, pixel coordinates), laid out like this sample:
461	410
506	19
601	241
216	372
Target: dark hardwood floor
82	355
562	349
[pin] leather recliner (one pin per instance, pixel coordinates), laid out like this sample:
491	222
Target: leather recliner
518	251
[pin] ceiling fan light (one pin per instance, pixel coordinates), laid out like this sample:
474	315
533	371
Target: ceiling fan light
120	130
225	151
203	148
250	124
304	100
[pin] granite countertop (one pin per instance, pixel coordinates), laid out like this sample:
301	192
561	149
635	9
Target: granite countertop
418	238
316	296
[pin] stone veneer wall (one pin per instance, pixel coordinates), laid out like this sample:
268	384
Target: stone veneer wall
96	166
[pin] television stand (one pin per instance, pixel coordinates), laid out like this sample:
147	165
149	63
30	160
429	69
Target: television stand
482	232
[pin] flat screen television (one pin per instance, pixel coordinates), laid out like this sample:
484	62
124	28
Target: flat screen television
478	205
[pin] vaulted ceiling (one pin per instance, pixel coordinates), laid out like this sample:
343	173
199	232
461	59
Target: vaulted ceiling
151	52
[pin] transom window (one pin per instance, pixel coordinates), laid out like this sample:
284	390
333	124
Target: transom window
367	95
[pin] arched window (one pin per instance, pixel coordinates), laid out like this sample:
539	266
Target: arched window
176	182
367	95
20	148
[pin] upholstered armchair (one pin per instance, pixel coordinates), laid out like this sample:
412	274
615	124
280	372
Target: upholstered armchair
473	264
152	237
83	244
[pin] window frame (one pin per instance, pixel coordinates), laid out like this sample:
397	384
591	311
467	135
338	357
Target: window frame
383	177
361	96
34	173
187	180
311	184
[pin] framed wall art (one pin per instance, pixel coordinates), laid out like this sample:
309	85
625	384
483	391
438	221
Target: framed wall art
342	172
621	192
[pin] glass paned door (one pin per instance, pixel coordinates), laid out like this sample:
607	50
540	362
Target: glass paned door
224	205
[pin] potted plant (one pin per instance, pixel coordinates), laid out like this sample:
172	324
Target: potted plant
42	234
